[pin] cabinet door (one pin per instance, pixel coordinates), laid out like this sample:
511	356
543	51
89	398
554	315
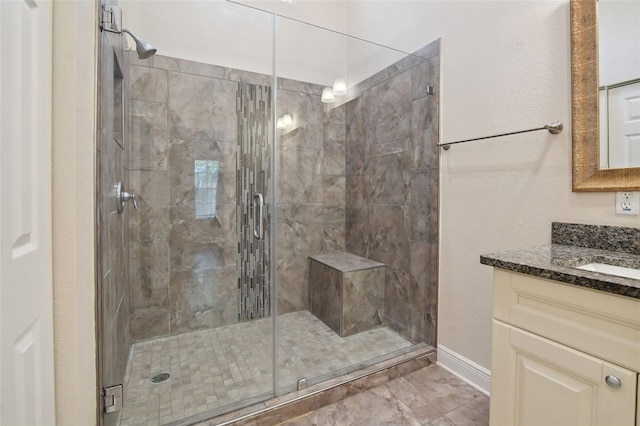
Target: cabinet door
539	382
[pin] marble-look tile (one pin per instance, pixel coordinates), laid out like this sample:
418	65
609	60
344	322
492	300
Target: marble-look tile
149	136
185	256
390	115
432	392
300	86
202	108
346	262
149	322
390	179
148	84
356	134
293	279
363	300
357	231
325	290
247	77
388	236
473	413
300	174
307	113
424	265
335	114
205	298
425	132
358	193
334	149
422	75
334	191
333	238
392	146
190	67
221	228
397	301
151	220
373	407
299	236
149	281
183	154
423	211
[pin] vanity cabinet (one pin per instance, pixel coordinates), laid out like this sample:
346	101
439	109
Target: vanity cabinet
562	354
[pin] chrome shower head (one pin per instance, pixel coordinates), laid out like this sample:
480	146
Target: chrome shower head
144	49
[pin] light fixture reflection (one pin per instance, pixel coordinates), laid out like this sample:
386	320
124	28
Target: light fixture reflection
339	87
288	120
327	95
280	124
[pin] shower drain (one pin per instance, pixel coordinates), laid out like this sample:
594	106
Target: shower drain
159	378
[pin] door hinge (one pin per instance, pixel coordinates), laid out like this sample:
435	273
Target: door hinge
111	19
112	398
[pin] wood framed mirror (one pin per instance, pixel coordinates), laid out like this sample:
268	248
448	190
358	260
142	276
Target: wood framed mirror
587	175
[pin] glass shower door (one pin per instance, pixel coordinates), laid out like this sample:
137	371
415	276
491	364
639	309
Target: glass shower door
356	219
186	324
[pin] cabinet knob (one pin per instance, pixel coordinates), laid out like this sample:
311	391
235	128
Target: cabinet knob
613	381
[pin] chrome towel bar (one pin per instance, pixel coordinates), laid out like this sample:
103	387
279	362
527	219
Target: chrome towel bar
554	128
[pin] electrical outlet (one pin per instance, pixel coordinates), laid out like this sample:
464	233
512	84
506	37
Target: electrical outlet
628	203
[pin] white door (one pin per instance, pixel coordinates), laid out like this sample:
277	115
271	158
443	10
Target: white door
624	126
26	318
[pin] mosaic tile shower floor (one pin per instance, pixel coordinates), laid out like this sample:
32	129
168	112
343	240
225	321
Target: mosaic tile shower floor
218	367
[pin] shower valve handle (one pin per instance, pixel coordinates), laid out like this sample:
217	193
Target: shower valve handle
128	196
123	196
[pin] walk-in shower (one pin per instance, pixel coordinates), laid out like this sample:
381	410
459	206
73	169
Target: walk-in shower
264	256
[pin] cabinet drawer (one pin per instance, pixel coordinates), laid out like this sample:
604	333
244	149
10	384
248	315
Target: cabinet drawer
595	322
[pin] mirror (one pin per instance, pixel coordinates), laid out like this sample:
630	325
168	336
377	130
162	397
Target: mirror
587	173
619	81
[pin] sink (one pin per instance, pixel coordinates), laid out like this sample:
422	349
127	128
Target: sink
603	268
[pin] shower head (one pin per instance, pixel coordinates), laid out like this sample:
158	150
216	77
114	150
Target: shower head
144	49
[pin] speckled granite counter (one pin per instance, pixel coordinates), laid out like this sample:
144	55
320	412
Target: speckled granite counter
573	245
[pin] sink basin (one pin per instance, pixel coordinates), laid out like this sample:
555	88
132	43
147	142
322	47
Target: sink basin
603	268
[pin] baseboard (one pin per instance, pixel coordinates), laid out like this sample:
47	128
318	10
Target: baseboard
476	375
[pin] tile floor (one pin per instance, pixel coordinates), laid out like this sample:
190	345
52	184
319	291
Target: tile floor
428	397
220	367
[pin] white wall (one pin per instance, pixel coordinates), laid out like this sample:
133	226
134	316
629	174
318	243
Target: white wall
223	33
505	66
73	153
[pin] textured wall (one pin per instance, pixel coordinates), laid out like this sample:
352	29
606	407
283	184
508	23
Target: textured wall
392	188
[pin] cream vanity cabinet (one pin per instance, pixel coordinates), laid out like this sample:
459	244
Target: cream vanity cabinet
563	354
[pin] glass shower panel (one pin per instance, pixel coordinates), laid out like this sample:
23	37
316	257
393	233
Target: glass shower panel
348	242
198	159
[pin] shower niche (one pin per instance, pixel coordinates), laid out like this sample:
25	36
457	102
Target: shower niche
242	176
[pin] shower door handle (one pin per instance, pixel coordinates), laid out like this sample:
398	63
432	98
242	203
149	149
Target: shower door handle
258	203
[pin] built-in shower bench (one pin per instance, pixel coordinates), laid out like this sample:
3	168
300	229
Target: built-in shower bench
346	291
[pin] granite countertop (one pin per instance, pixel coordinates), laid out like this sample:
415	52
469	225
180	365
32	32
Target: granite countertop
557	261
